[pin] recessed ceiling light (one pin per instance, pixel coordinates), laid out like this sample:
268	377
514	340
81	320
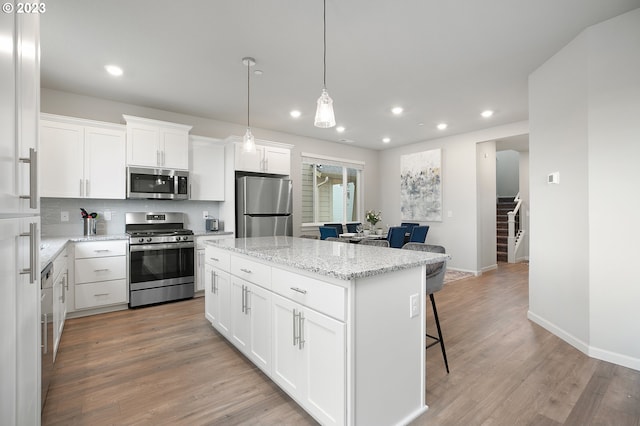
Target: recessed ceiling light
340	129
442	126
420	124
295	113
486	114
397	110
386	140
114	70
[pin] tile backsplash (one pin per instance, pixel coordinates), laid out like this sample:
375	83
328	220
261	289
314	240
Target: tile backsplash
51	210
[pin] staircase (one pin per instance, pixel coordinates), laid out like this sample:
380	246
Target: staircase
503	206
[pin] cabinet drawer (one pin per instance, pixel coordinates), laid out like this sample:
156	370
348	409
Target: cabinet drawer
101	249
218	258
255	272
100	294
321	296
101	269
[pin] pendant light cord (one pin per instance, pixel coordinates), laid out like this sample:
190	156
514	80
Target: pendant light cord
324	41
248	88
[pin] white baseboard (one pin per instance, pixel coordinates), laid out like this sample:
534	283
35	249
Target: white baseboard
557	331
591	351
475	273
488	268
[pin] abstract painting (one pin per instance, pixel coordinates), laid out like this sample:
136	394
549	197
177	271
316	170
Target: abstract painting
421	186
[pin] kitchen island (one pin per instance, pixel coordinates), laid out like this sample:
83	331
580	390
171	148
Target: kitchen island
339	327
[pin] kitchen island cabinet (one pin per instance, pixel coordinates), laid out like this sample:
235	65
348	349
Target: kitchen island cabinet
344	340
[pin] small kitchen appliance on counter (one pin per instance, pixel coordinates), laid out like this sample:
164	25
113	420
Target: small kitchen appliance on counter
161	258
211	224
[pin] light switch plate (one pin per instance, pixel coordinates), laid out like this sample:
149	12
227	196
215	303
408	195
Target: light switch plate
414	308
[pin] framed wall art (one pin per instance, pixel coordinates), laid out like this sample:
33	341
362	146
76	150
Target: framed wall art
421	186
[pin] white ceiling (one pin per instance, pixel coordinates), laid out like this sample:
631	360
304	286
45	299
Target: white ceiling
440	60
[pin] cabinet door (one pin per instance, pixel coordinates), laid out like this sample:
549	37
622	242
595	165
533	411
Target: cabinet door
61	160
240	324
287	357
206	169
277	160
259	304
142	146
105	163
249	161
324	367
9	196
223	293
58	311
19	323
175	149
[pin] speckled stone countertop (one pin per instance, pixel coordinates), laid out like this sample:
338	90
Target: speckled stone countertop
334	259
51	247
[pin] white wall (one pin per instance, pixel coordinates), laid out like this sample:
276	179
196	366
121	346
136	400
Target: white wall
458	232
486	158
584	109
524	196
73	105
507	173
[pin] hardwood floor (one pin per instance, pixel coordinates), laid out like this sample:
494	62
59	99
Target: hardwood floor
166	365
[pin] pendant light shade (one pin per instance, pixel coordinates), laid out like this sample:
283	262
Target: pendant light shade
325	117
324	112
248	141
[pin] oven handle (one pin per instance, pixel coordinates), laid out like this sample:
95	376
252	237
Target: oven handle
163	246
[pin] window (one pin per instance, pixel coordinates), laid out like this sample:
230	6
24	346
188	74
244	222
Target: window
331	190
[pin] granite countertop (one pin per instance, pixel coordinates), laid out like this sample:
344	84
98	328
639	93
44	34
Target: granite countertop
50	247
211	233
334	259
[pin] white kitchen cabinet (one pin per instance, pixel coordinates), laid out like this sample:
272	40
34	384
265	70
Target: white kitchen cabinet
251	321
100	277
218	299
60	292
309	359
82	158
206	169
266	159
200	258
154	143
19	321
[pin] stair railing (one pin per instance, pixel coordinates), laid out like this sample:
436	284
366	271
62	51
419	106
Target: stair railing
515	230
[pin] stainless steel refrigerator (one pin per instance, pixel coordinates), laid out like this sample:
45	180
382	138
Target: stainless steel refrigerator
263	206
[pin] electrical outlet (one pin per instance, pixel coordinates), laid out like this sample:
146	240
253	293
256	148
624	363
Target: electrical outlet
205	214
107	215
414	308
64	216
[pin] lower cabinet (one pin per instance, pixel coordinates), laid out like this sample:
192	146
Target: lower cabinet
217	294
60	291
294	341
100	274
251	321
309	359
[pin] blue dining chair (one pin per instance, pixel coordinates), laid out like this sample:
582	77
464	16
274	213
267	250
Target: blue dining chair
328	231
353	227
396	236
409	226
338	227
418	234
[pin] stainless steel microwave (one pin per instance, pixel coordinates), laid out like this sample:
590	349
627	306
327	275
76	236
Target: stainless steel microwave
159	184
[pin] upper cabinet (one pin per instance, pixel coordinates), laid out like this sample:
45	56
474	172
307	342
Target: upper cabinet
153	143
81	158
206	168
269	157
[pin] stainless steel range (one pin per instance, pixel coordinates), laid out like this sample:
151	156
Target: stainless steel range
161	258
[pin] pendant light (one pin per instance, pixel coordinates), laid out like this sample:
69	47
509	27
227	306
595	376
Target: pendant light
324	112
248	141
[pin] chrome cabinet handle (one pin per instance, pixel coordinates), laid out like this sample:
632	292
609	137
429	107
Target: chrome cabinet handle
212	278
101	270
45	337
33	251
63	298
301	340
32	160
295	326
243	296
247	299
246	271
299	290
101	294
215	259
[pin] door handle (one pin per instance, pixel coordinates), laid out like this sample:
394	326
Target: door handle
33	251
295	325
32	160
301	328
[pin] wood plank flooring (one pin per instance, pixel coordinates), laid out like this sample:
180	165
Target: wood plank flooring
166	365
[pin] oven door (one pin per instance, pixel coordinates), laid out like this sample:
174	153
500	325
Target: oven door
156	265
